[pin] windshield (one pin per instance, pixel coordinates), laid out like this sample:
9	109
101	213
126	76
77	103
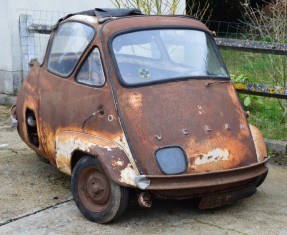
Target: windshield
165	54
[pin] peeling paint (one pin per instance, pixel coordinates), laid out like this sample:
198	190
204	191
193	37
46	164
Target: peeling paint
117	163
66	146
200	110
212	156
63	164
128	175
135	100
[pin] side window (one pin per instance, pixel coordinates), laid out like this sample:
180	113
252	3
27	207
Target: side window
91	72
69	43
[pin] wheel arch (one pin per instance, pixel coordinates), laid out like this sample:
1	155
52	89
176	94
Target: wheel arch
76	156
113	159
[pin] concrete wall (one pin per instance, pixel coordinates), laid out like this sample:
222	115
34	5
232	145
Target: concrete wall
10	51
11	71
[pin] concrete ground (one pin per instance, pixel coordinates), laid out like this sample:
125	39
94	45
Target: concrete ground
35	198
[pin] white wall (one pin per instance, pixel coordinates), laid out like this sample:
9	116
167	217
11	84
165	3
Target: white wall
10	51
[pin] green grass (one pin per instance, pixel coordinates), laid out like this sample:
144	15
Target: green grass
266	112
254	65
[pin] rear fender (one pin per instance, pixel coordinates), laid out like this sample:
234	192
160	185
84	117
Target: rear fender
113	159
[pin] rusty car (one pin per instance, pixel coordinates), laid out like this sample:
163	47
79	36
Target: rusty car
125	102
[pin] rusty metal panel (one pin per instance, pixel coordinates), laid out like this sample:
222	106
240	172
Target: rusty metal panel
207	182
259	143
28	99
113	157
207	122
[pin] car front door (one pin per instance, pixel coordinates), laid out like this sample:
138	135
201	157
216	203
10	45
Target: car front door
71	85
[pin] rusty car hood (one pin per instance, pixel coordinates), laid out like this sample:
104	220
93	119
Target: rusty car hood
207	122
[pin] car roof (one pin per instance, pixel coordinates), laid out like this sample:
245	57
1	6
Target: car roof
103	15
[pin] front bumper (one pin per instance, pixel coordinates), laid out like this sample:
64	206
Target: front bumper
191	185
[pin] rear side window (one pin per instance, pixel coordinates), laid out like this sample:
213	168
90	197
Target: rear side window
91	72
69	43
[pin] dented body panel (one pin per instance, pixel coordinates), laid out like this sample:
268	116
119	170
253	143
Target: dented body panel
125	127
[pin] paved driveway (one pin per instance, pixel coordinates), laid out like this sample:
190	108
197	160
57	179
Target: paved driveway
35	198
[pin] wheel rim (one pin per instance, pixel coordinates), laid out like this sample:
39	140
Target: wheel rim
94	189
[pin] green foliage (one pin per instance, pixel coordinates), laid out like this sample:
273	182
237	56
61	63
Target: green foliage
245	99
269	23
266	112
266	115
239	78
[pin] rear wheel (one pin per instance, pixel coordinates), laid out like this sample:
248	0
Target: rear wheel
97	197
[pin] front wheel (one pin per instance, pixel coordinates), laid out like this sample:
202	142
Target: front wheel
97	197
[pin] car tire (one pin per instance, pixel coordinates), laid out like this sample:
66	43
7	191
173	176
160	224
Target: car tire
96	195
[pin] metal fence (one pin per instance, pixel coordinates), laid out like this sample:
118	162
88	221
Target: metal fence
34	43
243	60
226	29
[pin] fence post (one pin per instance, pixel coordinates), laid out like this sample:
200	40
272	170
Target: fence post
27	42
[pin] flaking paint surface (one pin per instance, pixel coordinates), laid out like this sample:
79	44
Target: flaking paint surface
212	156
128	175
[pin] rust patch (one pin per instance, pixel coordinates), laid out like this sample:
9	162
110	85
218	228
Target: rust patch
135	100
215	154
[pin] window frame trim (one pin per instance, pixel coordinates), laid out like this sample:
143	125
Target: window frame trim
82	63
51	41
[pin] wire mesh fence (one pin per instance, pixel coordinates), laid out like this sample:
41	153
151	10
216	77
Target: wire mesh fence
40	40
226	29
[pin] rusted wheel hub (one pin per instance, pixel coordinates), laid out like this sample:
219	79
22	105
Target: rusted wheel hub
94	189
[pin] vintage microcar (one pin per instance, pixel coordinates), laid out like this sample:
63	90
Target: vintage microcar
127	101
